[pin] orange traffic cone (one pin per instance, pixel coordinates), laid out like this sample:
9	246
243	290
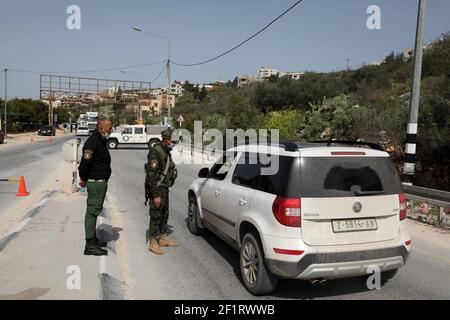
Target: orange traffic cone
22	188
50	139
31	139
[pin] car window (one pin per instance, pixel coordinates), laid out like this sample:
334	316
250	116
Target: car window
282	182
220	169
348	177
138	130
127	130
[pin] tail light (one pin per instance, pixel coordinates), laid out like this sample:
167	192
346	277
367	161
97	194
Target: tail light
287	211
402	199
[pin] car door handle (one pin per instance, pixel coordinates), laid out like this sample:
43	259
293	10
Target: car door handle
217	193
242	202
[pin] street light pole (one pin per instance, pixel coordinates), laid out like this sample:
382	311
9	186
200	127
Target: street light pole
6	98
411	133
168	69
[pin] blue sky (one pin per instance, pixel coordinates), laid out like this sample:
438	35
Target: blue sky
317	35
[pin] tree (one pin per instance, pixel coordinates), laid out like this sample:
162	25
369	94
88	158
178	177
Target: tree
202	94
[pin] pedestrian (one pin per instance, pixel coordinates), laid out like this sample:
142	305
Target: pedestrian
160	176
95	171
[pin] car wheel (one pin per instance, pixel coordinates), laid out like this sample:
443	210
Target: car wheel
256	276
192	222
386	276
112	144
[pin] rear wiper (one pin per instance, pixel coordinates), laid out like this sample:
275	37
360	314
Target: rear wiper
368	193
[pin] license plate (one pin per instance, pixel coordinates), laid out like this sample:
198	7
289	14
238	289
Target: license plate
354	225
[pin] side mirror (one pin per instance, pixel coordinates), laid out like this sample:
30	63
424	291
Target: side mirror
203	173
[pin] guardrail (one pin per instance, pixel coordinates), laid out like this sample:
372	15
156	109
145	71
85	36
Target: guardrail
437	198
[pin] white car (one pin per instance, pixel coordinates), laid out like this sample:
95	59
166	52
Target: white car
83	131
329	211
135	134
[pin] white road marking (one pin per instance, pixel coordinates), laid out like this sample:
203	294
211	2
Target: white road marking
102	265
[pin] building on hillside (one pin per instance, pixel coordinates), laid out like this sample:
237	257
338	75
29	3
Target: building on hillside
266	73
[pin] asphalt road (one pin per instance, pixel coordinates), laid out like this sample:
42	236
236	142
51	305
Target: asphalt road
207	268
33	160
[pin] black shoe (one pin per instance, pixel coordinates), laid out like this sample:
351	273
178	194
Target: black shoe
100	243
92	249
95	251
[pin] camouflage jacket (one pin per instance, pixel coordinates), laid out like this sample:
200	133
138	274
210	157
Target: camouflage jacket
160	171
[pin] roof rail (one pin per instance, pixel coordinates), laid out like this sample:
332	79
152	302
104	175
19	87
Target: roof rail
374	146
287	145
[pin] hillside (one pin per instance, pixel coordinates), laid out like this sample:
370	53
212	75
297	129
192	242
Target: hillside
370	103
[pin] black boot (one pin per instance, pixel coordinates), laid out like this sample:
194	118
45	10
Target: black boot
92	249
100	243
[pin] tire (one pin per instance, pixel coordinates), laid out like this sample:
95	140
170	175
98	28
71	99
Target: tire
112	144
256	276
386	276
192	222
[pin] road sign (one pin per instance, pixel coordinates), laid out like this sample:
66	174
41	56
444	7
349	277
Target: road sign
180	119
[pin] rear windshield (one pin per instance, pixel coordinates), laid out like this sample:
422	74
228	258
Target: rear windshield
348	177
82	128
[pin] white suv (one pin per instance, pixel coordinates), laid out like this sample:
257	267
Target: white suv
328	211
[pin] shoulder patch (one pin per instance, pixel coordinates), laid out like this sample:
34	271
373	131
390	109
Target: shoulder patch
154	163
87	155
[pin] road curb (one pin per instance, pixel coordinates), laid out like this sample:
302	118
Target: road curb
111	285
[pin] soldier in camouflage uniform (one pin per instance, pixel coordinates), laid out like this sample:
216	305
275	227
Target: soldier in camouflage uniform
160	176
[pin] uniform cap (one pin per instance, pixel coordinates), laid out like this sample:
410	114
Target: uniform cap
167	133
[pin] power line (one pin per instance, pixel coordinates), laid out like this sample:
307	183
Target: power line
159	74
90	71
240	44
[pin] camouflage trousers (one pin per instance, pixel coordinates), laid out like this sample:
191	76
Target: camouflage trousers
159	217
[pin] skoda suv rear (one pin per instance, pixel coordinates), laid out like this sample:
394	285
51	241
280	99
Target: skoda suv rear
309	211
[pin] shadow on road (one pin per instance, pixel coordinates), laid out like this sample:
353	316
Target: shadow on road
291	289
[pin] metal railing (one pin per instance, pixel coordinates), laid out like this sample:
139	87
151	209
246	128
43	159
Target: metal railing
438	198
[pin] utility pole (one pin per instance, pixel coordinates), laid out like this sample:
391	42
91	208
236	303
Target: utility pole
168	77
411	133
168	68
168	94
6	98
348	64
50	109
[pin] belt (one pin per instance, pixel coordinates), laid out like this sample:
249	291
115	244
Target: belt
99	180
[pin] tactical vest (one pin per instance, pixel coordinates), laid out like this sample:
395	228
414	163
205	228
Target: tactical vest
167	167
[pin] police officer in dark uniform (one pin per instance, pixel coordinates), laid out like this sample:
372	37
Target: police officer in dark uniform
160	176
94	171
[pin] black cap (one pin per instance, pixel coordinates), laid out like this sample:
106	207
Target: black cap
167	134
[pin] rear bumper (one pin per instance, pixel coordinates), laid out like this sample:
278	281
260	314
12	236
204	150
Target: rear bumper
339	264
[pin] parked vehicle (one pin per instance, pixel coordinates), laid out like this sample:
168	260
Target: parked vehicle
328	211
83	131
135	134
46	130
